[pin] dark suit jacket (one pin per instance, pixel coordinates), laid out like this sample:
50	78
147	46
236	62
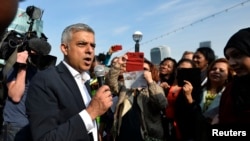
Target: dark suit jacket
53	105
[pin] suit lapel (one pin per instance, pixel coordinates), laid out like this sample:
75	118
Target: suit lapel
68	79
87	84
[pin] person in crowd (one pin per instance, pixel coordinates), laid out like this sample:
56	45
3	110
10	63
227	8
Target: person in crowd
235	101
59	103
104	59
207	110
113	61
178	121
9	8
203	57
111	50
15	121
167	72
100	58
187	55
137	115
17	80
219	75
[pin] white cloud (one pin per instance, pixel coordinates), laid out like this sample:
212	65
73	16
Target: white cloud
121	30
162	8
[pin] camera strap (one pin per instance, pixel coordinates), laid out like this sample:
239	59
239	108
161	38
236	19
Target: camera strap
9	63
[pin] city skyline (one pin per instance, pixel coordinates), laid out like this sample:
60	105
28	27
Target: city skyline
179	24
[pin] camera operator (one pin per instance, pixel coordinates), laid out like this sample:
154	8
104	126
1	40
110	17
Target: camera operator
29	59
15	124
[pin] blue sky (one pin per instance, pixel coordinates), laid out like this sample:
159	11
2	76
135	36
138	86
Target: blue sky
162	22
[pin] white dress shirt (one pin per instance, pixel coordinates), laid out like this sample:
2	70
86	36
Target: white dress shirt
80	79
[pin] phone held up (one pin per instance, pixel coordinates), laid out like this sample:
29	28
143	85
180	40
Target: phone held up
135	61
189	74
116	47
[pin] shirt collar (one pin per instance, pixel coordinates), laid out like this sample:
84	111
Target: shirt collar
84	75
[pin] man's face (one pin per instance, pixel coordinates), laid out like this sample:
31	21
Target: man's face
79	52
8	9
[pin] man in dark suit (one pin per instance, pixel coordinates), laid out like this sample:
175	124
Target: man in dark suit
59	104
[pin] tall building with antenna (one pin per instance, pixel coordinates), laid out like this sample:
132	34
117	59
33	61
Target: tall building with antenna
157	54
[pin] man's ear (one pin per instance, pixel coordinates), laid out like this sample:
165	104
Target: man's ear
64	49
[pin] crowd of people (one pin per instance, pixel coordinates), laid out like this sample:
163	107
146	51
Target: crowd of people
183	100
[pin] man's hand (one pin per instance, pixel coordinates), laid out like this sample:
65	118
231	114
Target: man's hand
101	102
22	57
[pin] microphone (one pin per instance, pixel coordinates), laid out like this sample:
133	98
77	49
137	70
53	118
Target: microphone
40	46
99	71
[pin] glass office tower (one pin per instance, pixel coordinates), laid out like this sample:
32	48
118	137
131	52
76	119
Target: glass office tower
159	53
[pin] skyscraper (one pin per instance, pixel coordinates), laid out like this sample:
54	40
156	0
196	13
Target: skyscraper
157	54
205	44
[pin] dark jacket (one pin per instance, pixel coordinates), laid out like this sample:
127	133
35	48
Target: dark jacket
53	105
235	102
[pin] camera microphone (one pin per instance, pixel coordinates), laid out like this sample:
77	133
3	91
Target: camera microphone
99	71
40	46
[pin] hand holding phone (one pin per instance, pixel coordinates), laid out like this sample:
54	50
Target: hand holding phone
189	74
115	48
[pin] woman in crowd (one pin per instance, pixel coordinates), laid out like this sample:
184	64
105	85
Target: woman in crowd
167	72
137	115
178	124
235	101
202	58
219	74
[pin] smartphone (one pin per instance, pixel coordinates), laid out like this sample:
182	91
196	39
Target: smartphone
135	61
116	47
190	74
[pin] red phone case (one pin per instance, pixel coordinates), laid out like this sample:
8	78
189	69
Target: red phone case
116	47
135	61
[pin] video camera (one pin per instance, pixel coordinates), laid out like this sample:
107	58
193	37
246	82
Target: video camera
12	41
